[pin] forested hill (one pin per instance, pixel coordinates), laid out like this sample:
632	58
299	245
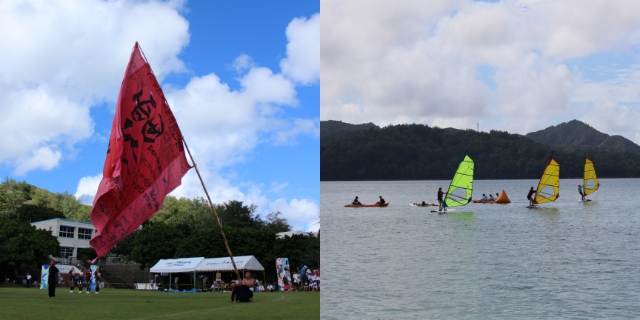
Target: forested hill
332	130
406	152
577	136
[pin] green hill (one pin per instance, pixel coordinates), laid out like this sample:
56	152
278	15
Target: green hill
32	203
579	136
333	130
406	152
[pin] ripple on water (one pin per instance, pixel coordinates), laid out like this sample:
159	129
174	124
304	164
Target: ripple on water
566	260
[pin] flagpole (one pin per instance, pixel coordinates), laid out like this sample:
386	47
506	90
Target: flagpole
212	208
201	181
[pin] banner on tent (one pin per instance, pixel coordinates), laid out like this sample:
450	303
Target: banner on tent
284	275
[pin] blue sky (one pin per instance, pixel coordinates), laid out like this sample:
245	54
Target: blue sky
242	78
510	65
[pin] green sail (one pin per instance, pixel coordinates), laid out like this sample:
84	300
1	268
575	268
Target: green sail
461	187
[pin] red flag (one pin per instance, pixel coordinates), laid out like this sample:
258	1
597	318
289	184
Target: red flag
145	158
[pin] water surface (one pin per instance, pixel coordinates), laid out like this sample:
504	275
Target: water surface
567	259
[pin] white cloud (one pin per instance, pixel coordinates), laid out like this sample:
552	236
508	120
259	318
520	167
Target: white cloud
242	63
37	119
59	58
42	158
87	189
222	126
299	127
614	118
302	214
510	63
303	50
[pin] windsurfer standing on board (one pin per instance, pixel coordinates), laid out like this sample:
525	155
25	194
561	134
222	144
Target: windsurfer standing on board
440	194
580	191
530	196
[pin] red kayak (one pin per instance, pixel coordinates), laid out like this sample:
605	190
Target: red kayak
365	205
480	201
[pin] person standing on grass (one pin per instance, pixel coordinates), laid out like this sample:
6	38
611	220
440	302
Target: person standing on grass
87	279
72	280
53	276
98	280
80	281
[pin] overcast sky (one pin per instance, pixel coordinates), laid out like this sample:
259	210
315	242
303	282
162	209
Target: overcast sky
517	66
242	78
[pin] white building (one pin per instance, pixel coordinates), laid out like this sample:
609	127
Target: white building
71	234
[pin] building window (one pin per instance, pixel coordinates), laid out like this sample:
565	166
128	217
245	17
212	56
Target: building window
67	252
66	232
84	233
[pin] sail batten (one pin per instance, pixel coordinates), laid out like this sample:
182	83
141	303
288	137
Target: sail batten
461	187
590	182
549	185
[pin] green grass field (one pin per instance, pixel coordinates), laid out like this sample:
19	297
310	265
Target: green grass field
23	303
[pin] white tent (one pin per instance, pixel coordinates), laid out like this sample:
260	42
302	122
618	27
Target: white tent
181	265
200	264
249	263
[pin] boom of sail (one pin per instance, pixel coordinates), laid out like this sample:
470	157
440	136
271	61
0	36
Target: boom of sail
461	187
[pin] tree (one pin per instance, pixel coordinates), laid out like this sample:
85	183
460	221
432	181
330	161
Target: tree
236	214
32	213
126	246
83	213
22	246
195	213
277	223
155	242
85	254
301	249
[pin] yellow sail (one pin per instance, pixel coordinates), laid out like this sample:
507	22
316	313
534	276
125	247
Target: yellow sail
549	185
590	183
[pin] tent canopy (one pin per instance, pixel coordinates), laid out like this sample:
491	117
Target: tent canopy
64	268
224	264
201	264
176	265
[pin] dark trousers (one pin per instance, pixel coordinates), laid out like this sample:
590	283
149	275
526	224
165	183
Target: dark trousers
52	288
241	294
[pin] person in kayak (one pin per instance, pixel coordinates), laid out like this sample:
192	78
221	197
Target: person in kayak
381	202
440	194
355	201
530	196
580	191
491	197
